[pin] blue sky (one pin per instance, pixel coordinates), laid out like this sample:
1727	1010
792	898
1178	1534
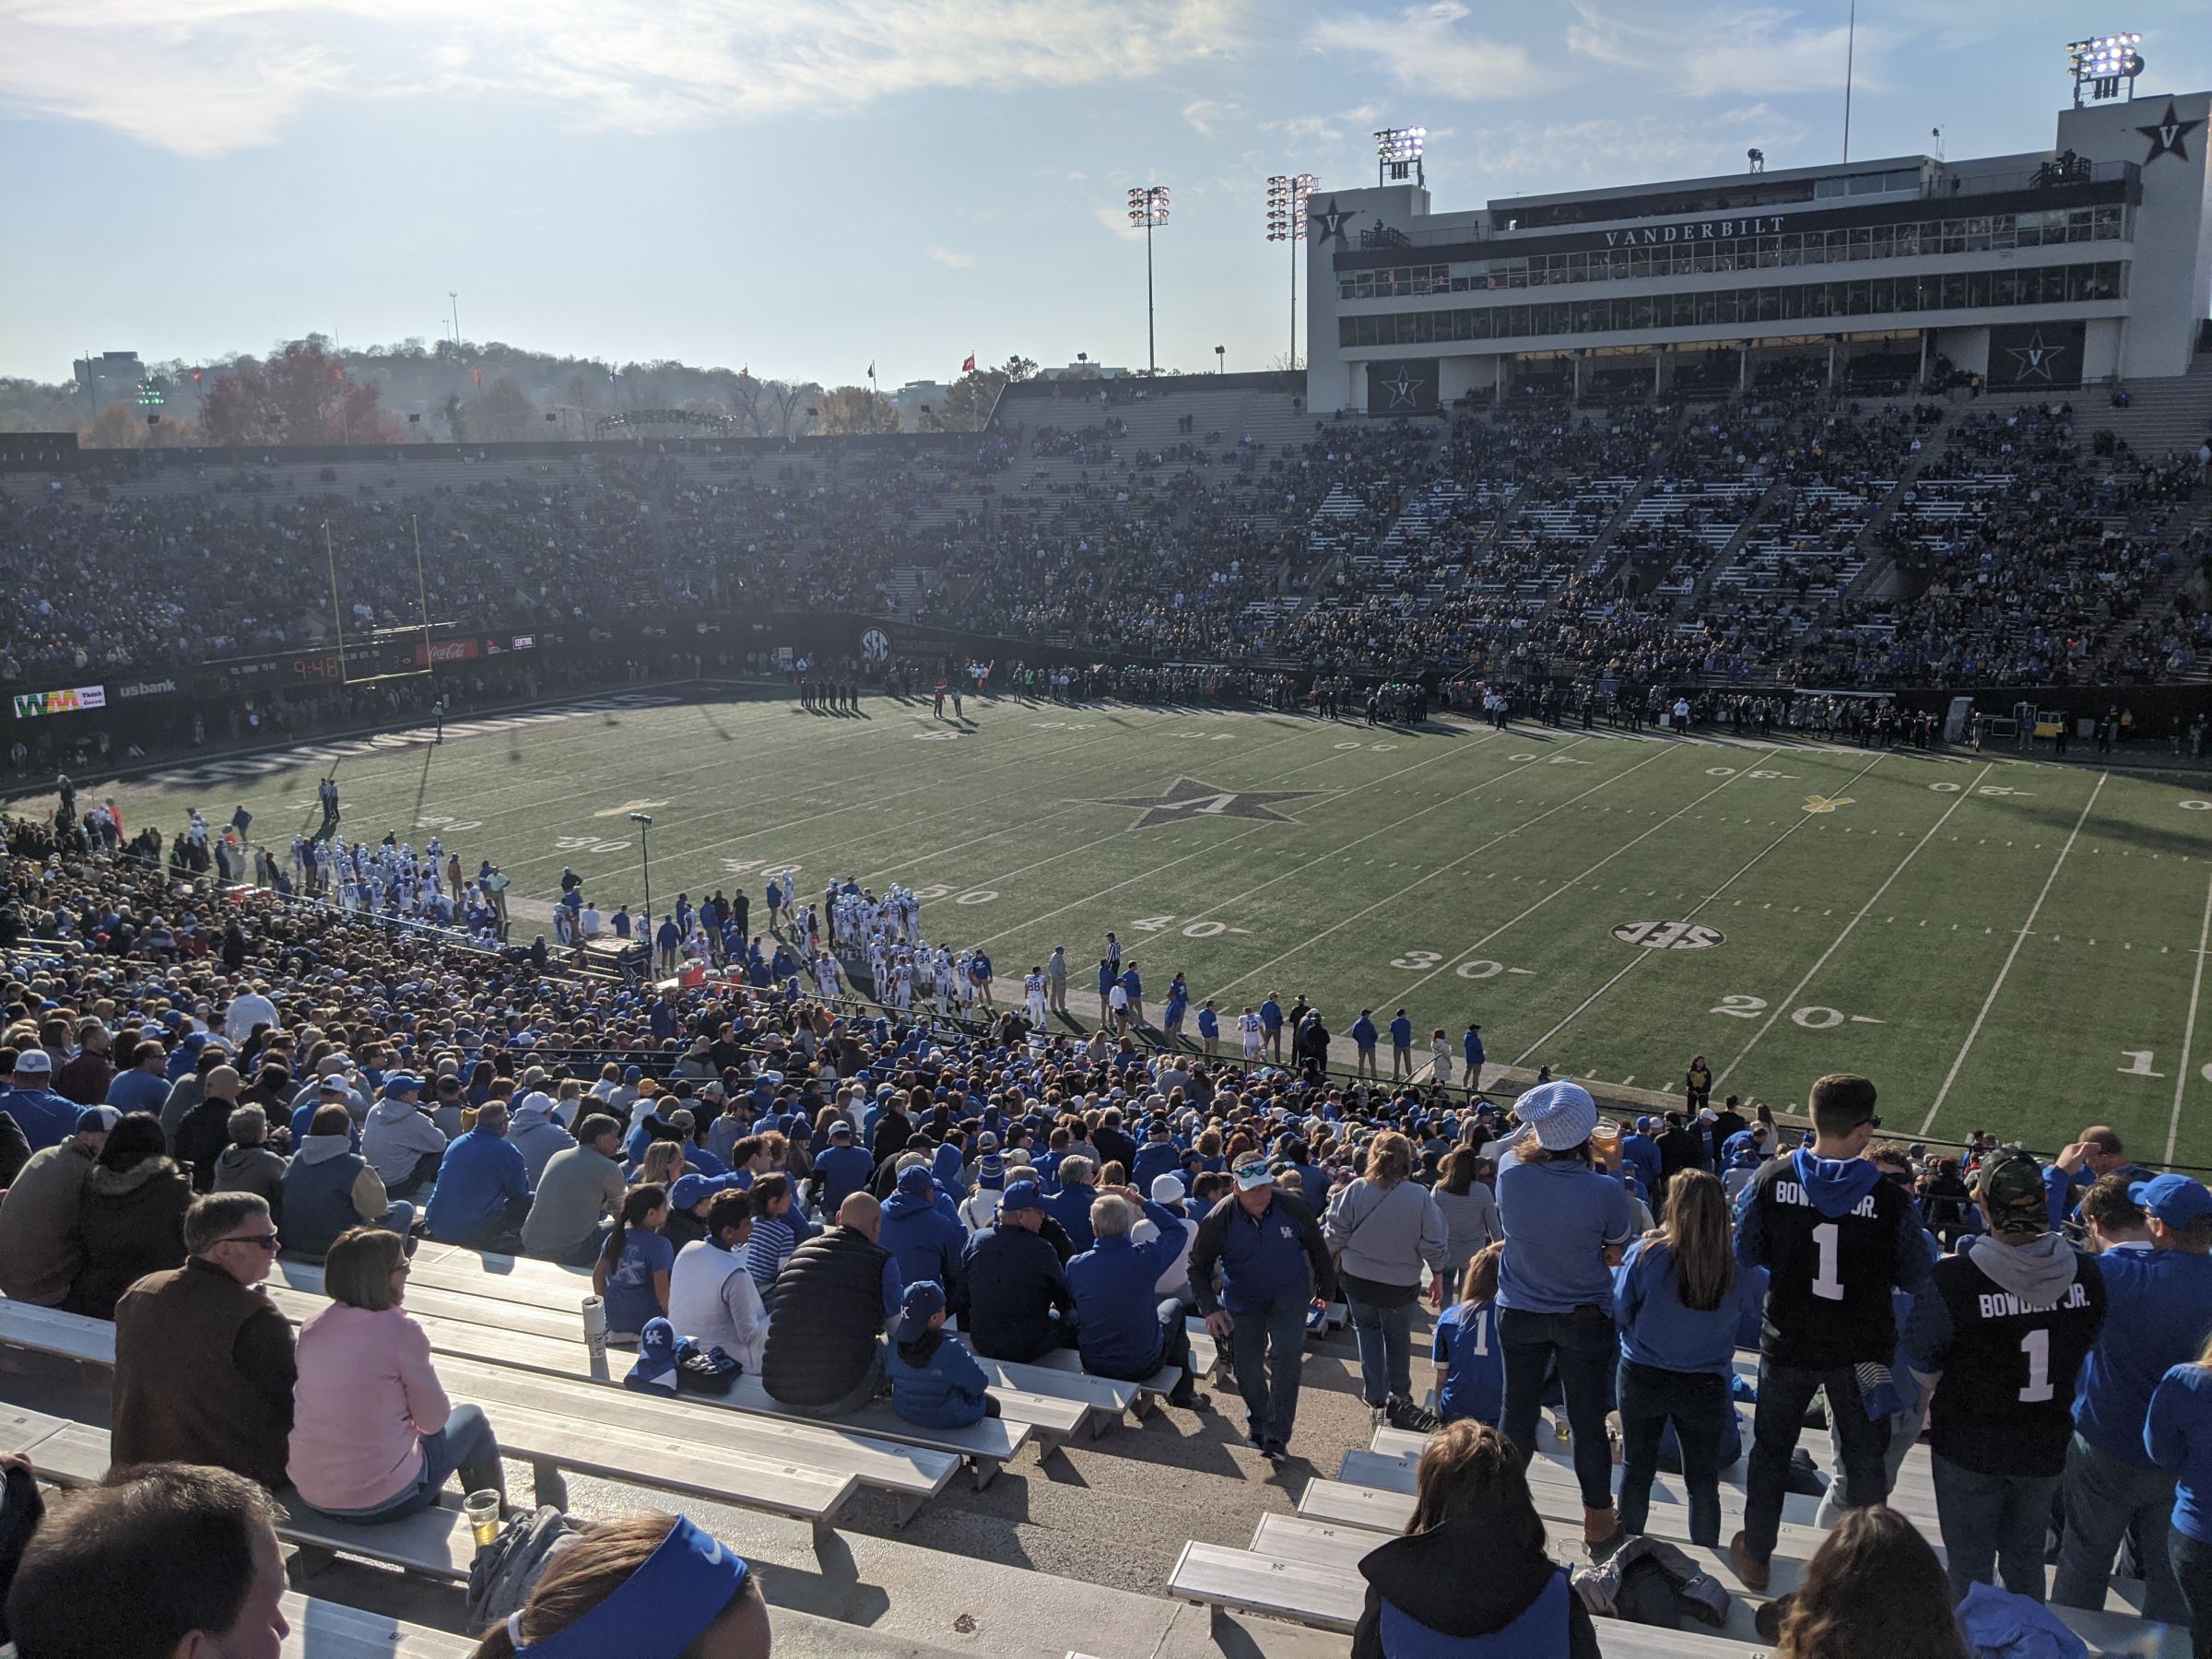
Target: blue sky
801	187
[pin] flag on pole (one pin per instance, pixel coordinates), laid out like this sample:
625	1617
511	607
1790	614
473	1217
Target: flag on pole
871	368
968	364
479	374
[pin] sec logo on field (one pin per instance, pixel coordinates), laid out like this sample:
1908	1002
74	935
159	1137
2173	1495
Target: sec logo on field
1668	936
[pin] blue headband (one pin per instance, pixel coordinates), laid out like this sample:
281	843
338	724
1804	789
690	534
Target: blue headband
658	1611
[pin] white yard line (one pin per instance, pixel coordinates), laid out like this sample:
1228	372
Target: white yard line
2196	991
937	781
1218	848
1441	869
2019	939
1958	801
1565	886
1641	955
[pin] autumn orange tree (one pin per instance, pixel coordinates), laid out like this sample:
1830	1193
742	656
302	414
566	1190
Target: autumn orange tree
300	395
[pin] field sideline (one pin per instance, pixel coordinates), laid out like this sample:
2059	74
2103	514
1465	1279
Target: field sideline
2000	943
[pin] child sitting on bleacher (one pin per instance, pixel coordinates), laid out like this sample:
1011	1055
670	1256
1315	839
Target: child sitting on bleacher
631	1275
1470	1362
936	1382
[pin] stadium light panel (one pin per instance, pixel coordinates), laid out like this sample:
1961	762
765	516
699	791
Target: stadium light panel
2100	63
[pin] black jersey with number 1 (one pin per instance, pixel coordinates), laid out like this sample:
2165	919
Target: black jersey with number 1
2005	1404
1835	1238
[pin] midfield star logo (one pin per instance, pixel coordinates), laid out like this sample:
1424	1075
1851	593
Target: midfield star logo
2166	134
1191	799
2033	361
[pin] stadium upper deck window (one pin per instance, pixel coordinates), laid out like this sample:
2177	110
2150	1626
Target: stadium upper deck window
1949	290
1907	240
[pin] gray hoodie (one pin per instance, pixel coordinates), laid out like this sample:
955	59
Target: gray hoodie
254	1170
395	1137
533	1132
2040	1272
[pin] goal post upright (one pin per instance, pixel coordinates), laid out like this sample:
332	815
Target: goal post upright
337	614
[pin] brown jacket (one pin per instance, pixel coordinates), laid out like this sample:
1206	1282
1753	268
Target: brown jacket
203	1374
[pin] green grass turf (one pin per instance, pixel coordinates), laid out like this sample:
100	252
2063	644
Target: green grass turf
1995	941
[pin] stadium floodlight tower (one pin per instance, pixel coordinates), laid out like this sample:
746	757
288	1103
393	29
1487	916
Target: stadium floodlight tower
1286	195
2101	63
1399	155
1148	207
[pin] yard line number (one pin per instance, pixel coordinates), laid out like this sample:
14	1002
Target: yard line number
1479	968
1813	1016
1199	927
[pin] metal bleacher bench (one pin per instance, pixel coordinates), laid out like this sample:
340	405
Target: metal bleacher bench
1057	1405
640	1448
1247	1581
472	1328
1306	1565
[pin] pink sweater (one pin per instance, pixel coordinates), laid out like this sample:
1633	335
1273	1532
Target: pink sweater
366	1393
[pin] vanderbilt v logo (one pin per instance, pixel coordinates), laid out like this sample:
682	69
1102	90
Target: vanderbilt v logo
1192	799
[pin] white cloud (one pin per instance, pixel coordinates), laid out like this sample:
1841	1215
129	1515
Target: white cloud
1564	155
946	256
1424	50
1205	114
1730	50
1116	220
205	77
1305	126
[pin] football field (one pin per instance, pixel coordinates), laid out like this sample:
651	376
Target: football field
1999	943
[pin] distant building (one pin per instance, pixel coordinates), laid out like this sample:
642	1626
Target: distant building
912	399
1081	371
112	377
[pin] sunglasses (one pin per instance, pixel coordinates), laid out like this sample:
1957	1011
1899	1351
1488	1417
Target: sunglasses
259	1241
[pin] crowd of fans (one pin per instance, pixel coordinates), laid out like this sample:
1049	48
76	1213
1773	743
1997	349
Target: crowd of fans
852	1203
2024	549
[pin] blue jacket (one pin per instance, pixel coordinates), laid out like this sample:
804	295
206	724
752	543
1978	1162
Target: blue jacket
2158	1306
1364	1032
946	1167
944	1393
1117	1316
1272	1257
1071	1208
1657	1330
926	1239
2177	1436
1154	1158
134	1090
843	1170
478	1177
46	1118
1401	1033
1641	1151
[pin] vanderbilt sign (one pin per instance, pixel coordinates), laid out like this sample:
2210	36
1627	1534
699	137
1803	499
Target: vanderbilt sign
1701	230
